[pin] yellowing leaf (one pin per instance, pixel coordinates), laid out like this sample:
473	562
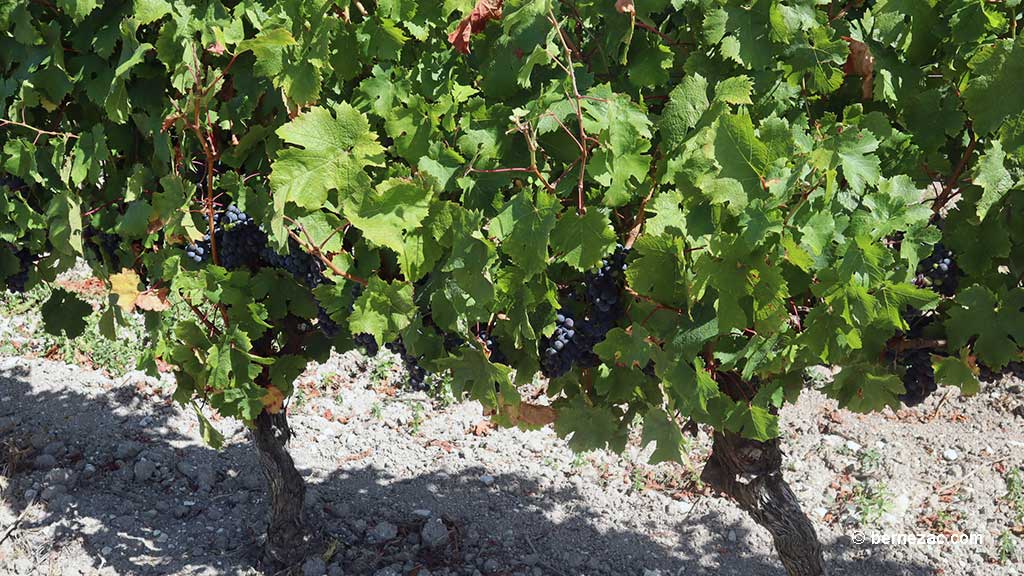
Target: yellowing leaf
273	400
126	286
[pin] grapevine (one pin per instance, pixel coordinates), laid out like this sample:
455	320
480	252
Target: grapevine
704	199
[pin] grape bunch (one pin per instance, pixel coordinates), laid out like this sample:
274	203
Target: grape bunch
919	377
562	349
240	241
103	243
491	342
573	341
604	285
918	373
417	374
17	282
302	266
327	326
938	272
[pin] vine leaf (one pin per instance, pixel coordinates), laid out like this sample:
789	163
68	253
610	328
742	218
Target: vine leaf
666	435
335	148
960	372
993	177
65	313
382	310
125	285
996	321
524	228
590	427
273	400
483	12
583	240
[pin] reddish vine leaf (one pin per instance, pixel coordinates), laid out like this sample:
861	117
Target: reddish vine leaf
483	12
153	299
861	62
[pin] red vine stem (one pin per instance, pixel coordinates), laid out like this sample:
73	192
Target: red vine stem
580	206
311	246
947	193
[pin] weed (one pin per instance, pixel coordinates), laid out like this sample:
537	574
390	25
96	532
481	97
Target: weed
872	501
417	418
1015	493
869	460
1006	546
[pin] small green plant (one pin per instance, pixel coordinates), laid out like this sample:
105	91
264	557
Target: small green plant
638	480
377	411
1006	547
579	460
872	501
300	397
382	368
1015	493
869	460
417	418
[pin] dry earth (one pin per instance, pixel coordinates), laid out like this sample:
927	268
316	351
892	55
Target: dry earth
102	476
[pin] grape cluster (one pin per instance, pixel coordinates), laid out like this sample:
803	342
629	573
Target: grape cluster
919	377
102	243
604	285
302	266
17	282
939	272
417	374
327	326
493	350
240	241
562	349
574	339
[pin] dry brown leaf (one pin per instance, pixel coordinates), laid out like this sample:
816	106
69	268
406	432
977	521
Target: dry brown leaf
483	12
861	63
532	415
483	428
154	300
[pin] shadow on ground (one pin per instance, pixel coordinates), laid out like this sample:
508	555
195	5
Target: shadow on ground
127	492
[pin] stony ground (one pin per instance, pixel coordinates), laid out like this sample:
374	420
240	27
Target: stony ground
108	476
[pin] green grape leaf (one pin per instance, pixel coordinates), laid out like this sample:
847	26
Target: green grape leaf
625	348
482	380
666	435
65	313
582	241
587	427
957	371
387	214
334	150
865	388
998	70
383	310
687	103
523	228
995	321
993	177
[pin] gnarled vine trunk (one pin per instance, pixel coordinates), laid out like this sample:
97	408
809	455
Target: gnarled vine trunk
751	473
286	533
